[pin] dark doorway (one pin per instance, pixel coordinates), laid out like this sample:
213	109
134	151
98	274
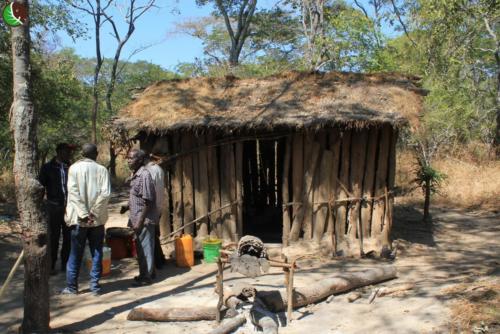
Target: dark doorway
262	178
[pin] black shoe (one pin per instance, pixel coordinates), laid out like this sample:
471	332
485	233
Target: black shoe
142	282
69	292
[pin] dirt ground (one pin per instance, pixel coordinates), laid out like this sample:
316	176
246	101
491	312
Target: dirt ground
458	254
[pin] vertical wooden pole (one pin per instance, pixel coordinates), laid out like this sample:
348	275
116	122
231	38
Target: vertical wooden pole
297	185
311	157
187	175
220	289
214	189
386	241
239	187
177	185
357	165
166	218
285	192
381	183
343	183
335	144
369	180
228	191
201	187
322	191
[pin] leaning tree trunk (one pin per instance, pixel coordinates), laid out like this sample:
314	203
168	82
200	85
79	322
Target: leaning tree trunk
29	192
427	201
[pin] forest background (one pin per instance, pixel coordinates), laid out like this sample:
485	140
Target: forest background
452	46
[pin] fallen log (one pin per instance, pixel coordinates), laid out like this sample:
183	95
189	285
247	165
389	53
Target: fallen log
277	301
172	313
230	325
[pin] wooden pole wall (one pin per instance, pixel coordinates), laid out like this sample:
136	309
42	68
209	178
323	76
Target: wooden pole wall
316	172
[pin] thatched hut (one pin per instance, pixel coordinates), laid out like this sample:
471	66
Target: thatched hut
297	155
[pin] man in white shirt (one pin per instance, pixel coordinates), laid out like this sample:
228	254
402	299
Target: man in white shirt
89	190
158	176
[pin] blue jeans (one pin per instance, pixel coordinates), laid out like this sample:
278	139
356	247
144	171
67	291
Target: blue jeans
95	236
146	250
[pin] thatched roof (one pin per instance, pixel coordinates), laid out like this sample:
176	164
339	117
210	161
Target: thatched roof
292	100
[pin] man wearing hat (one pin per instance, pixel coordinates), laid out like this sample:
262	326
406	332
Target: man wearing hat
54	177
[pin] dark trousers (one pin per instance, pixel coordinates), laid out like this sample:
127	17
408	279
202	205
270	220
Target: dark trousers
145	250
79	235
56	226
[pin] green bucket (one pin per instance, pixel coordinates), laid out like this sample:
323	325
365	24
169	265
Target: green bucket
211	250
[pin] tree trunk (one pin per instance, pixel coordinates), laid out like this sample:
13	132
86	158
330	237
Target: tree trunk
497	135
29	192
427	202
112	160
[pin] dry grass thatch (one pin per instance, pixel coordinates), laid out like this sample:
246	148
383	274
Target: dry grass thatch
291	100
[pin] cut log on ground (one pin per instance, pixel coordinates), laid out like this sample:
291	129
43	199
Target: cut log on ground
276	301
172	314
230	325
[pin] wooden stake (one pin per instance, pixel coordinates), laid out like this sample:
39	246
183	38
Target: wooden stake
311	158
228	191
285	191
220	289
177	185
214	188
297	185
201	191
187	175
381	182
335	142
239	188
322	191
358	154
369	180
386	241
341	217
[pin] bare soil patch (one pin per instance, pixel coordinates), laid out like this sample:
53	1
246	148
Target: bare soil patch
452	266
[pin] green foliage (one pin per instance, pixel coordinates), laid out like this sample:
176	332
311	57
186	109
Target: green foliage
426	175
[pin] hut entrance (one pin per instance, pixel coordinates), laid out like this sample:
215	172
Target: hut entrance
262	175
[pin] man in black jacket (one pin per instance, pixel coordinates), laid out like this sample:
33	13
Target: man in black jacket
54	177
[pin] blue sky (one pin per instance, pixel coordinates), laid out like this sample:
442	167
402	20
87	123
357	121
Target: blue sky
154	28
